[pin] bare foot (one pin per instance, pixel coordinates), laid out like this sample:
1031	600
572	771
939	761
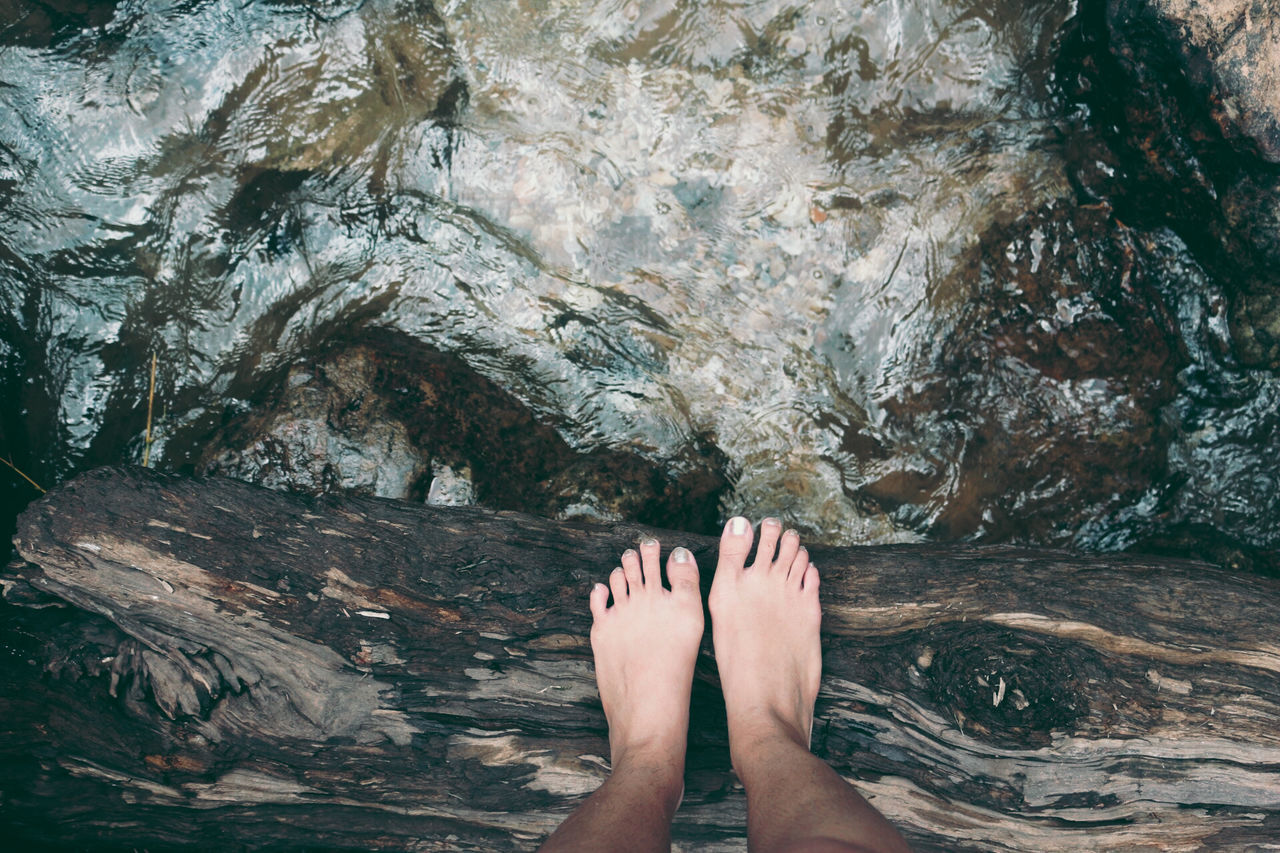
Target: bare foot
764	622
645	647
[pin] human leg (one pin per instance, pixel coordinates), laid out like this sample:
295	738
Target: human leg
765	625
645	645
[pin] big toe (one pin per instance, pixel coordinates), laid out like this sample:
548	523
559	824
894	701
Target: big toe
735	544
682	571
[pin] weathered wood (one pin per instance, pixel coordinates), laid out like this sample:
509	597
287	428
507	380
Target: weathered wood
240	668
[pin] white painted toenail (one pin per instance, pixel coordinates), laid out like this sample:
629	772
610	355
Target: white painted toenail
629	551
772	522
681	555
739	525
648	542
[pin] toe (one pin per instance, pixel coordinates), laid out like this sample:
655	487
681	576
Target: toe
650	564
735	544
770	529
618	583
631	568
599	600
794	572
787	552
810	579
682	571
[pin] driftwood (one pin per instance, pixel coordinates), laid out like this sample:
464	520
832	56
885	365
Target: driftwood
238	668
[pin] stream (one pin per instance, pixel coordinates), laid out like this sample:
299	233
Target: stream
887	270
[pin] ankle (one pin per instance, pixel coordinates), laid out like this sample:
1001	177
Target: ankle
756	741
650	747
657	750
662	776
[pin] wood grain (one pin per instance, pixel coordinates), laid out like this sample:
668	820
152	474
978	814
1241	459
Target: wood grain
205	663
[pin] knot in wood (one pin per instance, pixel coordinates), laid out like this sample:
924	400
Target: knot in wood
1010	687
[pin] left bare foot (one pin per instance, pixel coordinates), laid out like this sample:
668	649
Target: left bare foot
645	647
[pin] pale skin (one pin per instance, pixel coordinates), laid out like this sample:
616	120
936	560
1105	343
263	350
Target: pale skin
765	622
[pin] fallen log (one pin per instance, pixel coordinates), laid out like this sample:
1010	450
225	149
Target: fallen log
201	662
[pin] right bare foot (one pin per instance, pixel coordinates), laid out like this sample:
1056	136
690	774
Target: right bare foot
764	622
645	645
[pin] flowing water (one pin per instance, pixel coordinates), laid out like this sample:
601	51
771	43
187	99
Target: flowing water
850	247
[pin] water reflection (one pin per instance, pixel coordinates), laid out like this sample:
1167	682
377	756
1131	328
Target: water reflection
842	242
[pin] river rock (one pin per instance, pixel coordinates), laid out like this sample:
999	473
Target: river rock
1055	373
1251	208
46	23
332	100
1190	92
1229	50
392	419
741	230
326	431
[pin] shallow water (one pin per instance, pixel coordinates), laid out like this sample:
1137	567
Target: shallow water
846	246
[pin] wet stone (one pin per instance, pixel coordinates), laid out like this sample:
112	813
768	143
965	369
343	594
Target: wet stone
817	238
392	419
1058	364
304	108
49	23
1251	208
1187	94
1230	50
325	433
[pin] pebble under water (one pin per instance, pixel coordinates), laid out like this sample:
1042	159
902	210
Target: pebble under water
891	271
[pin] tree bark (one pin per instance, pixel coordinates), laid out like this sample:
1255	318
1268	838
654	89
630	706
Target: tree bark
228	667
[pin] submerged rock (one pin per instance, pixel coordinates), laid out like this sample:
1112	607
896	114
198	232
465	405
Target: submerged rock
1064	359
1229	51
1040	406
1189	92
48	23
388	417
860	266
327	430
329	103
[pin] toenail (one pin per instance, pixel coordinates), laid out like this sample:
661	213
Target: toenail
739	525
772	522
648	542
615	571
629	551
681	555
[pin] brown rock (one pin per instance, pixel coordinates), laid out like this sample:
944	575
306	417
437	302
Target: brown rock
1230	50
1187	93
1049	385
387	417
330	102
